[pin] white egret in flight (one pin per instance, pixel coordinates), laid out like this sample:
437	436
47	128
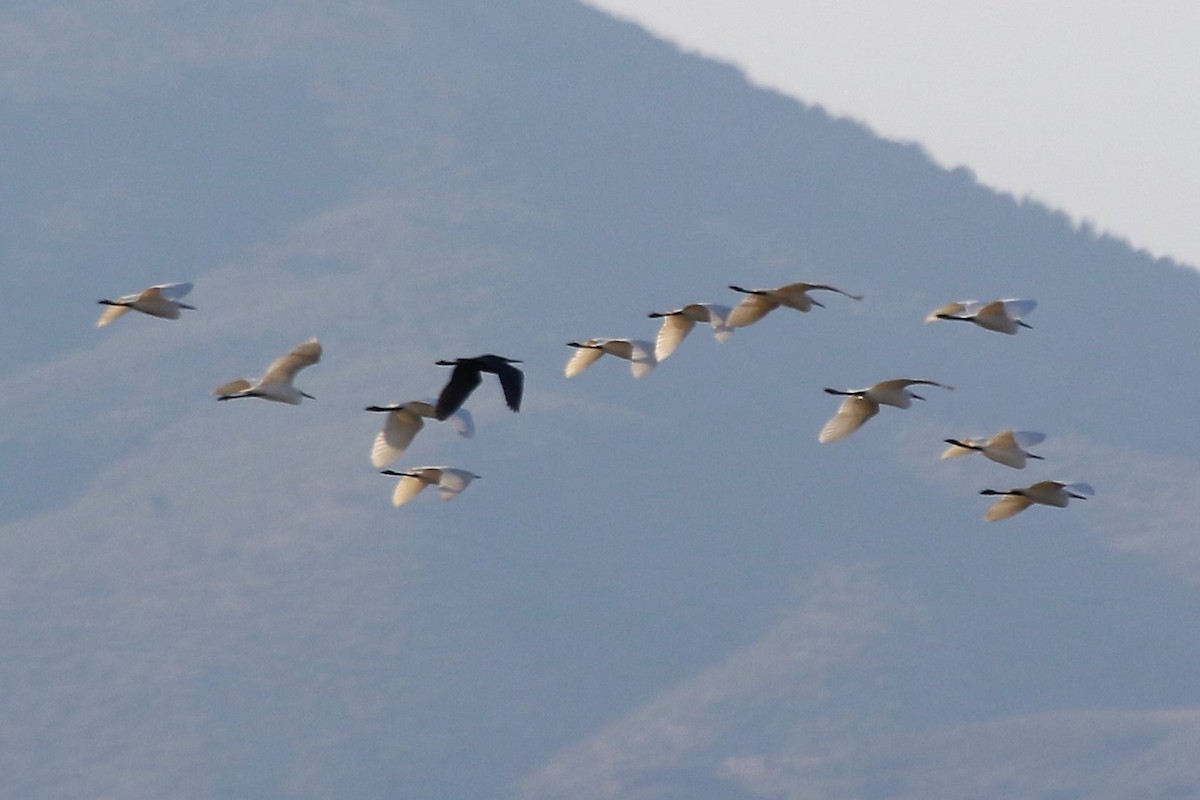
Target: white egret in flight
760	302
1006	447
157	301
450	482
276	382
1047	493
638	352
862	404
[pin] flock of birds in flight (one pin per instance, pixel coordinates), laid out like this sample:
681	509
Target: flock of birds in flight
405	420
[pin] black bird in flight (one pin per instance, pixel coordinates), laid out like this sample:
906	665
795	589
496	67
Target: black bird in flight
466	376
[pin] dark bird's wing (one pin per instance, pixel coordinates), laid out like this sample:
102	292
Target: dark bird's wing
512	381
463	381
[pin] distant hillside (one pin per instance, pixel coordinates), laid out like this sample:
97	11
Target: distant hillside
658	588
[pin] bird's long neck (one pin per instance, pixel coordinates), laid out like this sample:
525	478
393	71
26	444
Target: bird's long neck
963	445
845	393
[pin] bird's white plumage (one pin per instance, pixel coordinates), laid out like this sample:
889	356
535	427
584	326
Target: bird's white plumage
862	404
677	324
276	382
1002	316
1048	493
157	301
450	482
759	302
850	416
404	421
1006	447
638	352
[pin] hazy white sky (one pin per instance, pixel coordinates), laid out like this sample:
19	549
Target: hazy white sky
1088	105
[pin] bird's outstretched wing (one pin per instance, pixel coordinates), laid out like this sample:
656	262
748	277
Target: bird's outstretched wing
284	368
452	482
1007	506
512	381
752	308
235	386
399	430
581	359
850	416
463	380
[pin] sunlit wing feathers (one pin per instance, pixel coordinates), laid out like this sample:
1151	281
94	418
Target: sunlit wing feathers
1006	447
1057	493
752	308
674	330
1007	506
955	309
760	302
449	480
404	421
638	352
157	301
795	295
276	383
677	324
1001	316
284	368
850	416
1049	493
895	392
581	359
399	429
408	487
233	387
111	313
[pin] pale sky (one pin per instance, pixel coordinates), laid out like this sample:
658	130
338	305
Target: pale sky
1087	105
